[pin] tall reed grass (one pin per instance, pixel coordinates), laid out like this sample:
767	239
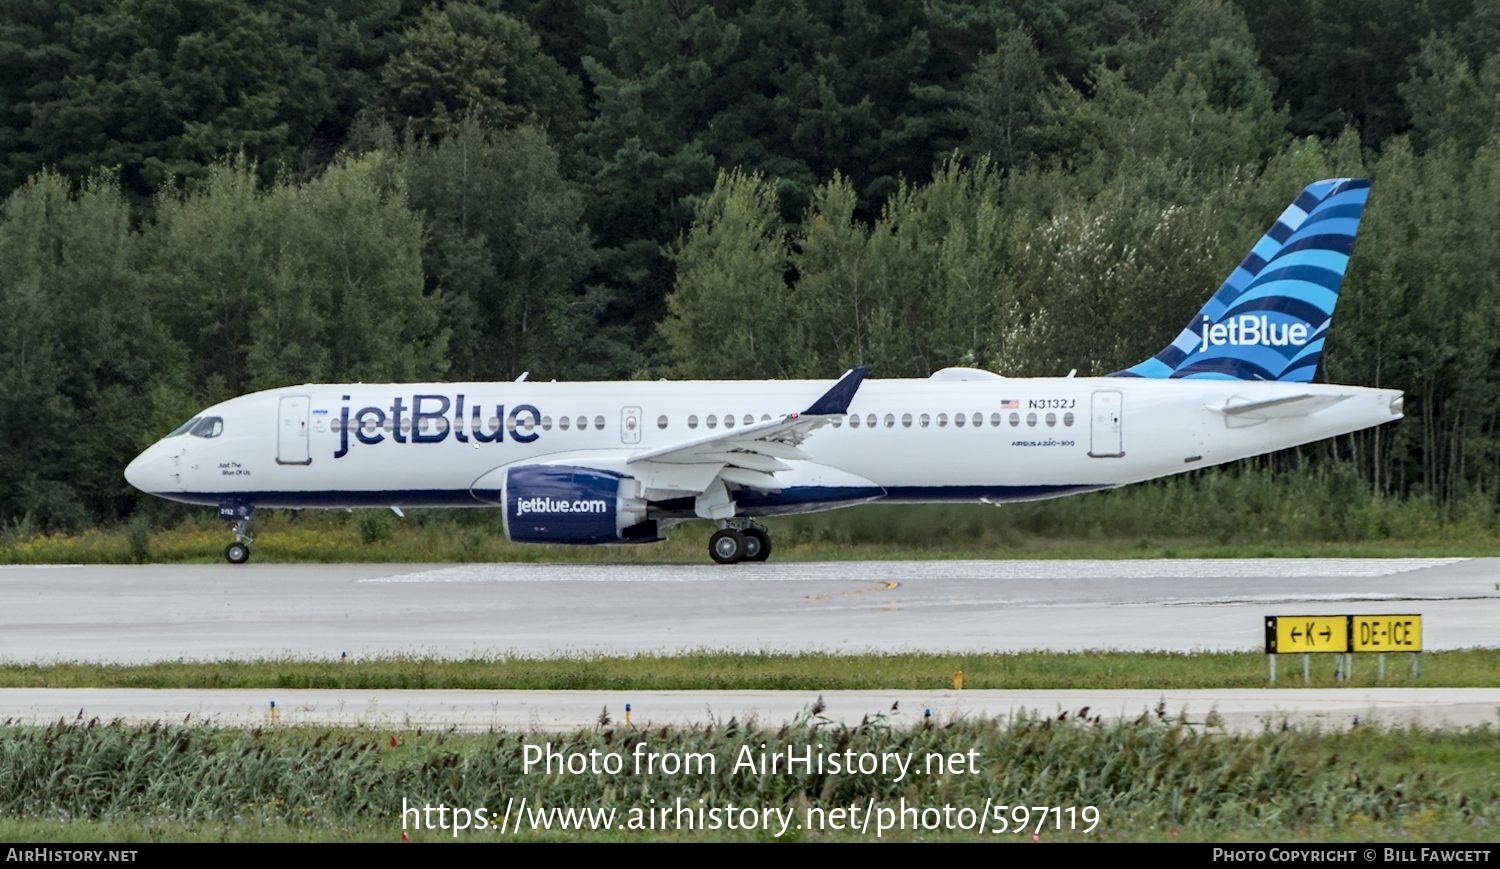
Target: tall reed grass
1143	775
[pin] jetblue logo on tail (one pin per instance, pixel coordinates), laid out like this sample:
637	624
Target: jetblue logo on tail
1270	317
1252	331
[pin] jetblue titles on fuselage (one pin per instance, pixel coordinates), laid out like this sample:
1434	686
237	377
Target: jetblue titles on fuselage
426	420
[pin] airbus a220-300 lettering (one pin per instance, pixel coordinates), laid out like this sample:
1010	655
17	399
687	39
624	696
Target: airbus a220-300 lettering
597	463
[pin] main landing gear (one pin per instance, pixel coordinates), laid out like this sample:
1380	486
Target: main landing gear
238	552
731	545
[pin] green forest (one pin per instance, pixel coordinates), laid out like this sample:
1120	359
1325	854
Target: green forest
207	197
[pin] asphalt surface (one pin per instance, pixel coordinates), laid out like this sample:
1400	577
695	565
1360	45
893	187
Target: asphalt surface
207	612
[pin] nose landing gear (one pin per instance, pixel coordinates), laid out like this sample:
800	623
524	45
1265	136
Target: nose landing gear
731	545
238	552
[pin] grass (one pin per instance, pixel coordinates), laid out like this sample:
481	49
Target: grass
879	532
1470	668
1241	511
1150	780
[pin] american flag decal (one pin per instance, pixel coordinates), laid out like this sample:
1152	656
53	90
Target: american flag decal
1010	404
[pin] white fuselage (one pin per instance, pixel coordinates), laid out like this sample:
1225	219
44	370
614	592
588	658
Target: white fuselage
985	439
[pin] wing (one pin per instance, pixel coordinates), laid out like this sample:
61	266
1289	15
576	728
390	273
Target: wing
753	454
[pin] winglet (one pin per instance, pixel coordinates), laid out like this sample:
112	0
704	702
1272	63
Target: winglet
837	399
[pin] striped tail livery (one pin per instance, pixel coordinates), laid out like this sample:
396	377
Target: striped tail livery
1269	319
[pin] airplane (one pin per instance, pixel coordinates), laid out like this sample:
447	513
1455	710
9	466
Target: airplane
620	462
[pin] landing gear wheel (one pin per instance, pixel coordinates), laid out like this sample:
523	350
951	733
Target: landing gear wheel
757	544
727	546
237	553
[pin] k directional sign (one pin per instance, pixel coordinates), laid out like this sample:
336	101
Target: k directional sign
1307	634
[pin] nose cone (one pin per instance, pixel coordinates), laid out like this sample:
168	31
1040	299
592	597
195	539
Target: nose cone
151	472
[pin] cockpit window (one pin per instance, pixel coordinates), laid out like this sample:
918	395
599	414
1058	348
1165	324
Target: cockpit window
183	429
208	427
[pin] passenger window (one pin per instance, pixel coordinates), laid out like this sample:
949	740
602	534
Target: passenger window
370	425
765	417
599	423
890	420
978	420
1051	420
959	420
729	420
1068	418
563	423
870	420
583	423
924	420
1031	419
712	421
335	426
661	421
854	420
1015	420
942	420
838	422
906	420
692	420
749	419
528	424
546	423
494	424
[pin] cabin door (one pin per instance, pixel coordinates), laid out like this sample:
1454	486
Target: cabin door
291	432
1105	439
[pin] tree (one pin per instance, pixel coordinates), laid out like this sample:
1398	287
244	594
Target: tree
295	284
728	314
357	245
466	61
162	89
1108	279
81	360
508	253
1212	112
1002	99
1341	64
1190	28
1451	100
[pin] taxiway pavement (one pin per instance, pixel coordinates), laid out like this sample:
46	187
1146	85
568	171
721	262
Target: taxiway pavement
320	611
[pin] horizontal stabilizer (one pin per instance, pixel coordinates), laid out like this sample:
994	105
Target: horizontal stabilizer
1279	408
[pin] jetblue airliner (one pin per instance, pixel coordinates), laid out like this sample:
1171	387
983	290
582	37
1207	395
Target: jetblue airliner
620	462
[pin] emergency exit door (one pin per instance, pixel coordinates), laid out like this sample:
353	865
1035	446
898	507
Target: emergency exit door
630	425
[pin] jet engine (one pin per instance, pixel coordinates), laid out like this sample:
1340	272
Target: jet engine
571	504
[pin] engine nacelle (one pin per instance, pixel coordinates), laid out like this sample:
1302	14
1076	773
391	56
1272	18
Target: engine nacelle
570	504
